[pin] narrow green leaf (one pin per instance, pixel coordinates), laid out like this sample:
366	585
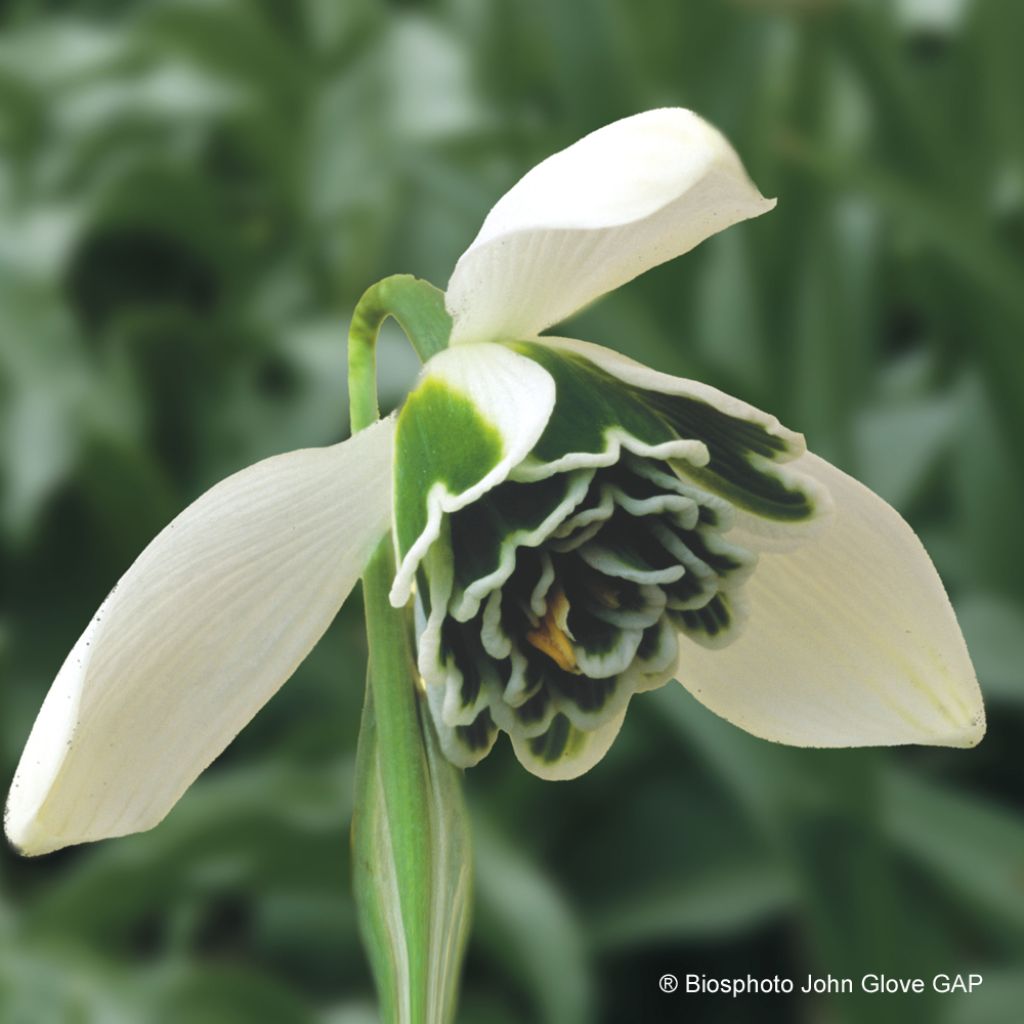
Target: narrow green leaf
530	931
970	845
726	899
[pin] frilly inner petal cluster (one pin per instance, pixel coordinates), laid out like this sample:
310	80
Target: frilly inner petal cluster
552	597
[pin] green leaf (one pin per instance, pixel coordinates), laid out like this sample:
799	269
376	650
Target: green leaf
994	629
969	844
899	446
530	933
726	899
997	1000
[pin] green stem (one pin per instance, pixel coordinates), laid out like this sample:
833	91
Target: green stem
419	309
410	832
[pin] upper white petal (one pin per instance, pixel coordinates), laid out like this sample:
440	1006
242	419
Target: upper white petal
623	199
851	639
199	633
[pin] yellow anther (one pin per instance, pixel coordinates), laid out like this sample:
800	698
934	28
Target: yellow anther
551	637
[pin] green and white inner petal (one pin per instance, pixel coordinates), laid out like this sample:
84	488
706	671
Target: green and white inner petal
749	451
574	582
474	415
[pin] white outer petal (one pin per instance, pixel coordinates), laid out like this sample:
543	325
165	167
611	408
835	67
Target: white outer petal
851	639
210	620
623	199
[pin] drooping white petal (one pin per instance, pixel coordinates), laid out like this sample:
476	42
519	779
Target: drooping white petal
199	633
623	199
851	639
474	415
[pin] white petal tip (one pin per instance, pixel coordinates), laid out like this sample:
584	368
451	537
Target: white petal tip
963	737
851	641
26	835
30	845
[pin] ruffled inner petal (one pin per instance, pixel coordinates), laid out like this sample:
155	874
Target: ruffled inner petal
571	585
548	641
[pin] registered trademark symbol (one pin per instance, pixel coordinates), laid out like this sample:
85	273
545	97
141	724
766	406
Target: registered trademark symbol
668	983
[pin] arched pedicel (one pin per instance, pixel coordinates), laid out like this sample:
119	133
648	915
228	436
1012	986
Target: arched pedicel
213	616
563	590
623	199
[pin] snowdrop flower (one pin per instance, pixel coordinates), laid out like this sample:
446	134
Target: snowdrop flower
572	527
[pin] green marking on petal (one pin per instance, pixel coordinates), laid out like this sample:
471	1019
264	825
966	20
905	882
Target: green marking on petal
486	535
713	510
476	739
533	716
720	431
658	651
556	742
730	562
749	483
593	413
601	649
627	550
588	703
743	456
689	592
467	744
566	751
468	672
593	408
475	415
712	625
441	438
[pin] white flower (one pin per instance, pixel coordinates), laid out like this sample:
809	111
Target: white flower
583	528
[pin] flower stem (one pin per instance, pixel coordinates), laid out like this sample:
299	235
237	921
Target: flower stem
410	831
419	309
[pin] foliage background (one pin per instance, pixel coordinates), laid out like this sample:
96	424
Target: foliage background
192	196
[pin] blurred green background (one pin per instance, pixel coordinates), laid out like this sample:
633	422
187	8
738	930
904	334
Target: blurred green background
192	197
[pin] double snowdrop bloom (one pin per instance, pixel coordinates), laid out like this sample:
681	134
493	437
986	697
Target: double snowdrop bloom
570	526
